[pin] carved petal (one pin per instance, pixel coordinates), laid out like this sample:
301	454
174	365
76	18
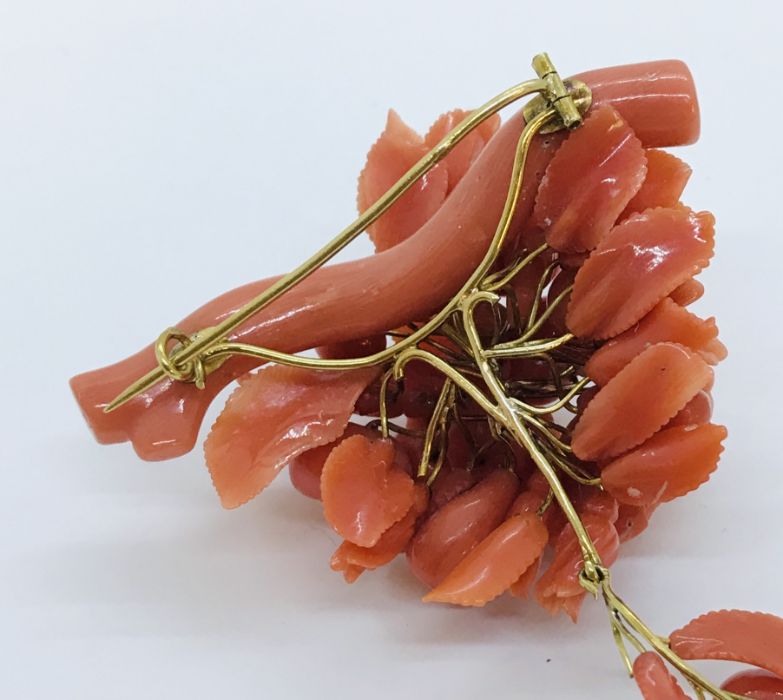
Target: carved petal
670	464
733	635
654	679
638	263
274	415
365	489
589	182
496	562
639	400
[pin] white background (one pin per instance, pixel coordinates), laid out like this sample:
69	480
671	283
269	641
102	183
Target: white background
156	153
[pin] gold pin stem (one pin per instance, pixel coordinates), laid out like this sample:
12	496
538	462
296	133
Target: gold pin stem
222	349
523	146
212	337
423	166
555	107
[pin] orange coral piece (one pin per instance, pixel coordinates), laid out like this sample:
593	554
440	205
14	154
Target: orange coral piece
496	563
353	560
670	464
654	679
305	469
464	154
758	685
696	412
632	521
588	183
689	291
638	263
396	150
272	416
364	489
733	635
559	588
663	184
667	322
639	400
451	532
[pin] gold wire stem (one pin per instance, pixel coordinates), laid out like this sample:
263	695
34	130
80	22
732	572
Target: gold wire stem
442	448
439	414
498	280
554	372
552	408
570	470
542	283
497	439
222	349
532	330
541	428
392	427
513	312
621	648
629	635
447	370
206	340
460	421
550	497
512	420
622	635
537	387
699	692
448	353
455	336
523	348
383	410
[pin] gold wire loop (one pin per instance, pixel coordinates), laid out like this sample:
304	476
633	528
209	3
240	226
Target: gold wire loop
593	576
192	370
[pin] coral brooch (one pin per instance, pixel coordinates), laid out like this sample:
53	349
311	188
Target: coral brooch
507	390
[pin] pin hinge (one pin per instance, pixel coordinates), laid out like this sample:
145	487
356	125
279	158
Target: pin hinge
571	98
